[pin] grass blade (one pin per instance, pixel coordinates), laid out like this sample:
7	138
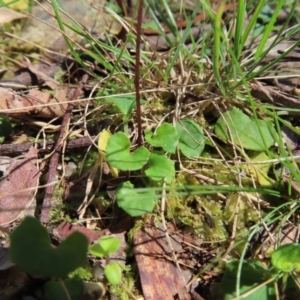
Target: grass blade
269	28
238	45
217	46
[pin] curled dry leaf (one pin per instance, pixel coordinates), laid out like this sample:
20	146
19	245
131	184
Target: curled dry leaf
8	15
18	187
36	102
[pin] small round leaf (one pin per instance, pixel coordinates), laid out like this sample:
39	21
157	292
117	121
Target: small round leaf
165	137
191	138
113	273
160	167
135	203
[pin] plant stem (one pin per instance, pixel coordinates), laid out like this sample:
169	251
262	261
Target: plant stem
125	122
137	70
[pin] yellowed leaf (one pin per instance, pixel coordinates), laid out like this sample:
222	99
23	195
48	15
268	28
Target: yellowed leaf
102	144
18	5
260	170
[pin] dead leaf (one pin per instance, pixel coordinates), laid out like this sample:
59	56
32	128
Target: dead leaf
36	102
5	161
290	137
25	77
8	15
18	187
63	230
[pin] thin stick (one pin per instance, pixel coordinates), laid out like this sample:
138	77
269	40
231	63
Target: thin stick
64	288
19	149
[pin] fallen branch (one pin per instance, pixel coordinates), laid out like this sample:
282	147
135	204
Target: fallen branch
19	149
274	97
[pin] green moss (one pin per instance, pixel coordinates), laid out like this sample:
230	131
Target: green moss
83	273
245	211
206	215
137	226
84	164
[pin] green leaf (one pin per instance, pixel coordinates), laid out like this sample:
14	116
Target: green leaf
252	274
55	291
165	137
245	132
191	138
31	250
160	167
135	203
268	30
106	246
287	257
118	153
126	104
113	273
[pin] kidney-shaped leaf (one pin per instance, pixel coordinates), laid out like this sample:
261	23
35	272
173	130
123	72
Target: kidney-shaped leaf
135	203
165	137
31	250
118	153
191	138
113	273
160	167
244	131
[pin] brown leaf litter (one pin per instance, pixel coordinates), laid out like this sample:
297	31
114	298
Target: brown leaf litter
36	102
8	15
18	187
